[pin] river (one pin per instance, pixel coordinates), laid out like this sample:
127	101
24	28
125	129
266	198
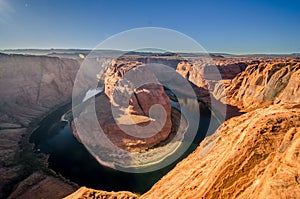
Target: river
71	159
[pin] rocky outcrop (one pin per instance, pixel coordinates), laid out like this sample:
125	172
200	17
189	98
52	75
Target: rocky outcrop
192	73
205	74
31	87
40	185
255	155
135	106
262	84
84	192
209	78
134	84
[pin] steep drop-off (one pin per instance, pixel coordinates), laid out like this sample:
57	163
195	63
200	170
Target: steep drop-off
254	155
262	84
31	87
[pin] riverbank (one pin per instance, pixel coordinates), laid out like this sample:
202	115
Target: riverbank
32	168
75	163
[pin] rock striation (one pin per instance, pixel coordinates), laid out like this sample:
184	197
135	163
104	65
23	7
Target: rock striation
84	193
255	155
135	124
206	73
31	87
262	84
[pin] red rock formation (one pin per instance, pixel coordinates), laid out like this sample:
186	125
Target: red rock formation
206	74
251	156
140	103
143	126
192	73
255	155
84	192
40	185
264	83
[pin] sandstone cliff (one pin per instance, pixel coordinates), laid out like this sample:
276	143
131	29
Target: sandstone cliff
205	74
262	84
132	101
84	193
255	155
31	87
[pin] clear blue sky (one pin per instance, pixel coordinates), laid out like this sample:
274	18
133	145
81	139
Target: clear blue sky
234	26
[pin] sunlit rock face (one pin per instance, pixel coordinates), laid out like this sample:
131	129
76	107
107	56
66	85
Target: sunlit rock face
134	115
209	77
264	83
84	192
205	74
255	155
192	73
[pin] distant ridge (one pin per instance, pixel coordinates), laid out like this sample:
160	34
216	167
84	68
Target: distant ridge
144	52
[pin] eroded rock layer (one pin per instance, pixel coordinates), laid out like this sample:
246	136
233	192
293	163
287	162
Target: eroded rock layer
134	104
264	83
255	155
84	193
31	87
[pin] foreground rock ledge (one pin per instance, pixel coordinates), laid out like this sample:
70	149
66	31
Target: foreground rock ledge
255	155
133	109
84	192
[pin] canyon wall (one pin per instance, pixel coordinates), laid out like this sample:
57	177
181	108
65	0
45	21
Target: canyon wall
134	125
262	84
254	155
31	87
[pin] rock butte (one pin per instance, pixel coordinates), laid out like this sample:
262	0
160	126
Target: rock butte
254	155
119	130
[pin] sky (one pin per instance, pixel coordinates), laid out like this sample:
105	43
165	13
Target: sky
228	26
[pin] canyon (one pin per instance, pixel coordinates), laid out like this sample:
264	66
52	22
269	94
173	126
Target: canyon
253	154
119	96
31	87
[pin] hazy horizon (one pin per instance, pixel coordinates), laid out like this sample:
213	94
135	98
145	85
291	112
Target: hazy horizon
87	49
